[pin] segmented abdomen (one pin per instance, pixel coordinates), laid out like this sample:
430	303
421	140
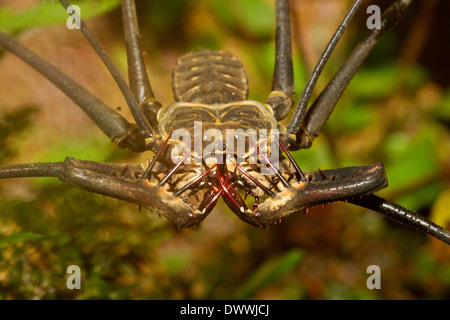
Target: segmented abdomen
209	77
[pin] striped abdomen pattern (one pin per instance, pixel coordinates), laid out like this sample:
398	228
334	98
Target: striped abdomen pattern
209	77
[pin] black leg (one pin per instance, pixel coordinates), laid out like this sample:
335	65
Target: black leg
400	214
301	131
283	76
26	170
137	73
294	124
107	119
141	121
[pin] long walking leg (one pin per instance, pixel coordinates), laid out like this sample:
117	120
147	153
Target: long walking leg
301	129
137	73
402	215
283	76
141	121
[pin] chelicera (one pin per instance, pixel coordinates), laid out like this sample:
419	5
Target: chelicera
210	87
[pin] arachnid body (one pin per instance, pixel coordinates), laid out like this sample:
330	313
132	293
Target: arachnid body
210	88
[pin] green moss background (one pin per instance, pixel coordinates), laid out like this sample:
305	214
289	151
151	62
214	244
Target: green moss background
395	111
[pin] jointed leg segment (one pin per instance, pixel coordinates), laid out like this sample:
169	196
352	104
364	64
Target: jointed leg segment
142	123
283	76
107	119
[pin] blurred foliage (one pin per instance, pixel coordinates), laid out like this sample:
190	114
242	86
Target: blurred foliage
392	112
48	13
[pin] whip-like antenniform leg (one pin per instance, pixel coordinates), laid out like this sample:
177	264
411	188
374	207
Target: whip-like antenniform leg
403	215
141	121
117	180
137	72
107	119
302	129
294	124
27	170
186	194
